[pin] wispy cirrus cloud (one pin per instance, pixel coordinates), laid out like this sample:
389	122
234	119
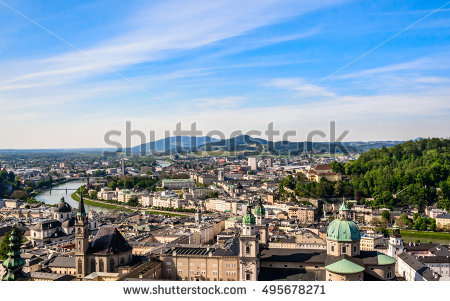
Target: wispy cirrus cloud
300	85
158	31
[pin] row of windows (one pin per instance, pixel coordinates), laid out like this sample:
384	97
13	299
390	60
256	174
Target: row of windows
344	249
203	272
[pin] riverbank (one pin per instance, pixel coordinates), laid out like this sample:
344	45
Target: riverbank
126	208
76	197
47	187
425	236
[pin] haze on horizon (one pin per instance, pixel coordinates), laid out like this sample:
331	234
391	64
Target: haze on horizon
72	70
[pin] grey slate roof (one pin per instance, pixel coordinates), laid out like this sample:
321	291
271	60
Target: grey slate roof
445	215
45	225
62	262
418	266
435	259
108	241
293	255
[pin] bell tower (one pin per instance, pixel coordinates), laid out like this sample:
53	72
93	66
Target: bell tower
198	214
395	243
261	226
81	240
248	248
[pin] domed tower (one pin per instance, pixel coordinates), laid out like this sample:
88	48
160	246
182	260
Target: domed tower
62	211
261	226
395	243
248	248
343	240
343	235
248	221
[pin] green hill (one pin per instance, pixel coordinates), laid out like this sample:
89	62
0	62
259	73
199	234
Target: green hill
414	173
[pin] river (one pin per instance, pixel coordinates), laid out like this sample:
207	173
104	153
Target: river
55	196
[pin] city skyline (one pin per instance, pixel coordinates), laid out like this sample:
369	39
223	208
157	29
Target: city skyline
72	71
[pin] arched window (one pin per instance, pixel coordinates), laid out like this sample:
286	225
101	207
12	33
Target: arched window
122	260
100	266
80	266
111	265
92	265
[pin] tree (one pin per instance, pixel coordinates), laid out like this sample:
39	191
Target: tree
433	226
383	231
400	222
213	194
423	226
93	195
19	195
375	221
417	223
4	246
385	214
133	201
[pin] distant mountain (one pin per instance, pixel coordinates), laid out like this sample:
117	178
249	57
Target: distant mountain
250	144
365	146
179	143
242	143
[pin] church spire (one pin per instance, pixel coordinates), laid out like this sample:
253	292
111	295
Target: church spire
81	210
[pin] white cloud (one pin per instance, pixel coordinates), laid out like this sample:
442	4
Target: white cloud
160	31
300	85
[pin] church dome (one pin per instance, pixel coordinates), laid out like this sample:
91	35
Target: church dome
249	218
259	208
343	230
62	206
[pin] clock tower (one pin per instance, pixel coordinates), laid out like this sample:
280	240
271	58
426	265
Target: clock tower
81	240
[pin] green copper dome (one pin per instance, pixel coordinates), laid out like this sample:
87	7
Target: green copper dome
343	207
344	266
249	218
259	208
343	230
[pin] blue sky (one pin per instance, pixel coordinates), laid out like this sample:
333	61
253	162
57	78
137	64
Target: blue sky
72	70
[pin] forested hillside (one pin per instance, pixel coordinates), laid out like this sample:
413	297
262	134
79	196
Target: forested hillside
412	173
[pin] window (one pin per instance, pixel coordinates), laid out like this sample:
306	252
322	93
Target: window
354	249
389	275
247	249
247	276
112	264
80	266
92	265
332	248
101	266
344	249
